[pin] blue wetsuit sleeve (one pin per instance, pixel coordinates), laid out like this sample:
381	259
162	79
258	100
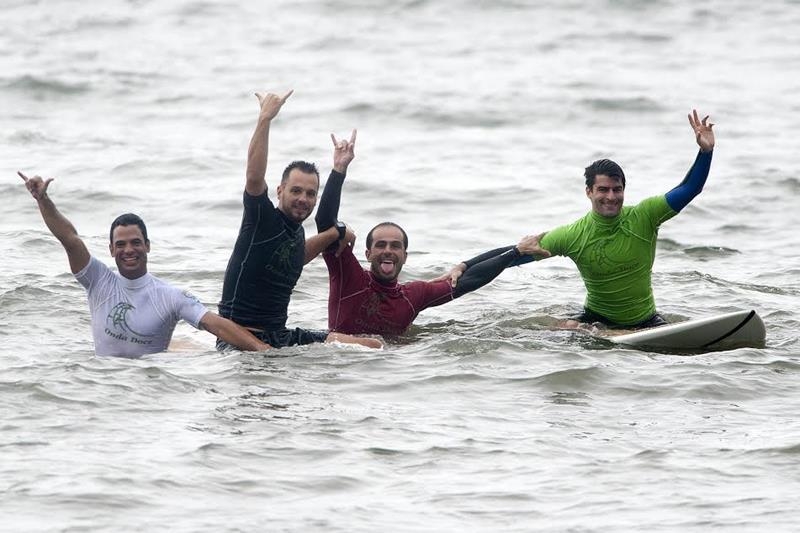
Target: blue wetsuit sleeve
328	210
692	184
482	272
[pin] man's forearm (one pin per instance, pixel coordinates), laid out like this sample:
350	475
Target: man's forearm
59	226
486	255
479	274
328	210
257	154
65	232
693	183
232	333
320	242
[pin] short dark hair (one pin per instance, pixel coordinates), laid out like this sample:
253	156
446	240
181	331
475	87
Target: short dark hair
604	166
405	236
128	219
302	166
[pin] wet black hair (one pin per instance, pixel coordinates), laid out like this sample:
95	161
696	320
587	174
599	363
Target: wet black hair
405	236
302	166
128	219
604	166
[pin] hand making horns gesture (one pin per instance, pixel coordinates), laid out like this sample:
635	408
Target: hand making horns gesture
343	152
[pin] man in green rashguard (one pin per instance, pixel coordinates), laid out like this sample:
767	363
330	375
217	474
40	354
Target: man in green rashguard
614	246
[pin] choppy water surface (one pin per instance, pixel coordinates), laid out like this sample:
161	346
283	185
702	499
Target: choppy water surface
475	122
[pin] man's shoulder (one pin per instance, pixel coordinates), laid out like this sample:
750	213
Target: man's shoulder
651	206
347	259
427	287
658	199
169	292
158	283
579	225
251	201
96	269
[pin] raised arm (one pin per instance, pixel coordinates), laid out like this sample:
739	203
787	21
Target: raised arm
477	274
328	209
270	104
695	179
59	226
232	333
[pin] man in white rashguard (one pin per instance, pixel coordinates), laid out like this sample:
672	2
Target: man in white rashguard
133	312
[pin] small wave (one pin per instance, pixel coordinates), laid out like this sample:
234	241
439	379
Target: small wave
641	36
573	377
570	398
792	449
441	118
384	452
100	22
736	228
710	252
41	87
432	115
25	137
791	184
45	394
200	9
636	103
24	443
22	295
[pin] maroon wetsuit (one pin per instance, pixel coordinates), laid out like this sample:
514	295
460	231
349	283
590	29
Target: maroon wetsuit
358	303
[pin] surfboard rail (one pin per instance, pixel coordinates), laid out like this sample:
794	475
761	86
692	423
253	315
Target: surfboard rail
736	329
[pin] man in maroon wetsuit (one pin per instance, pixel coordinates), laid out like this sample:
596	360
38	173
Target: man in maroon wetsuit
372	301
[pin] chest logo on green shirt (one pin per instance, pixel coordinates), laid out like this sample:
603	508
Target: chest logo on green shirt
604	259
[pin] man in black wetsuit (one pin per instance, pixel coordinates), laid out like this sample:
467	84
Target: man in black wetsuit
271	249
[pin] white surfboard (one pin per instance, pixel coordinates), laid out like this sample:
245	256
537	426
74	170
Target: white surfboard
731	330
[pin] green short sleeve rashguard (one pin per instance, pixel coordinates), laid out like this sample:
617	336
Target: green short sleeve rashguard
615	257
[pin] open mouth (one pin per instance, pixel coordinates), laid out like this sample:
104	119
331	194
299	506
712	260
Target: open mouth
387	266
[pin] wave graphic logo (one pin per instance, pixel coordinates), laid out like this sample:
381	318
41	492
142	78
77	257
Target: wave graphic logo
119	319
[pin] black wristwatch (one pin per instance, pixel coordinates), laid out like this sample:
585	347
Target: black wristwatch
341	227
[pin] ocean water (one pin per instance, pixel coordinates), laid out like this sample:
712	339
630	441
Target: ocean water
475	120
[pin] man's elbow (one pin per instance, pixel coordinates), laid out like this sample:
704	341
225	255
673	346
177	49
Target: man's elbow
323	223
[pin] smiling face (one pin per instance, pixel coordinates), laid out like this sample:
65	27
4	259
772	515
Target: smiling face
387	253
297	195
606	195
130	249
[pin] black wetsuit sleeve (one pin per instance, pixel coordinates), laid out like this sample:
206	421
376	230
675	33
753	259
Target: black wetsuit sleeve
486	255
328	210
479	274
519	260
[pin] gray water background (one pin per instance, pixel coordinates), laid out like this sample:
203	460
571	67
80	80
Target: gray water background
475	121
